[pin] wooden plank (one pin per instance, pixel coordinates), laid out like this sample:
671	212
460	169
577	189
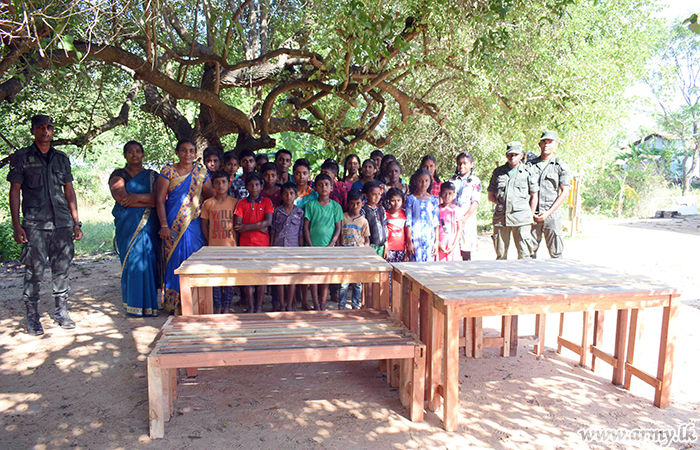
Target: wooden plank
598	326
451	362
620	341
185	296
156	413
417	383
514	336
384	294
421	306
468	336
286	356
232	266
496	341
570	345
561	332
540	326
405	380
606	357
635	331
395	366
283	278
642	375
396	292
662	398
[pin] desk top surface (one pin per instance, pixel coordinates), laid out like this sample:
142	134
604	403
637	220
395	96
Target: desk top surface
470	282
277	260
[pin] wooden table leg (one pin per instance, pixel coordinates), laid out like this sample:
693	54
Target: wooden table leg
420	304
451	376
505	334
662	399
585	349
206	300
635	331
435	358
540	321
376	295
396	293
417	384
185	295
478	336
513	336
561	332
156	409
620	346
384	293
598	322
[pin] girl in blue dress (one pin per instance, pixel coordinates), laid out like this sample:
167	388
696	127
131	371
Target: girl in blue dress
422	218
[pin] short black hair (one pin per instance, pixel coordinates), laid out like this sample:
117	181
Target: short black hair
393	192
219	174
302	162
322	176
260	156
254	176
281	152
130	143
268	166
245	153
331	165
213	151
229	155
354	194
413	183
469	157
370	161
182	142
288	186
447	186
376	153
368	186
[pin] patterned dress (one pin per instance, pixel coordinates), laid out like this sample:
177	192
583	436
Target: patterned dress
468	191
422	216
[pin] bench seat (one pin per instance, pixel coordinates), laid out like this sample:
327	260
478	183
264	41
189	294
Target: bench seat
280	338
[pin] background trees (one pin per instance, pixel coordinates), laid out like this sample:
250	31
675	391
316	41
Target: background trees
408	76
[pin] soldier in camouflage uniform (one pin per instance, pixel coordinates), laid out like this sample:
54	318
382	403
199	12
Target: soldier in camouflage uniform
50	222
514	192
554	178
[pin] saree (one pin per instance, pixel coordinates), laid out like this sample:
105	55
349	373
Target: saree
182	208
136	230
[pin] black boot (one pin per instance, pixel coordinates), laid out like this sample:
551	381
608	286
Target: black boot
33	324
61	316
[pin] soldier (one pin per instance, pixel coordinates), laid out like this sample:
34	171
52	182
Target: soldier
50	220
514	191
553	177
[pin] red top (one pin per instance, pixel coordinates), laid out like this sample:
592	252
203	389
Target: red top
275	198
254	212
435	190
396	226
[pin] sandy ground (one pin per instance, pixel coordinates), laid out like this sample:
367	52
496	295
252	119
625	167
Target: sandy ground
87	388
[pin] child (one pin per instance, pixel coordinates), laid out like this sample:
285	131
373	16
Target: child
251	220
422	220
260	159
381	176
322	218
354	232
287	231
369	169
283	160
301	178
247	159
230	165
468	193
393	177
271	190
374	212
217	227
377	156
450	224
351	169
213	159
429	163
396	227
340	188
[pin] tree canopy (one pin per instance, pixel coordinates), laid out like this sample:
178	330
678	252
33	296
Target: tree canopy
408	75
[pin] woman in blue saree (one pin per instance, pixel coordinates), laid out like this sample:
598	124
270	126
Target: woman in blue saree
181	189
136	227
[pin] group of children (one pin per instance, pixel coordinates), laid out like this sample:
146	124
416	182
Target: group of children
427	220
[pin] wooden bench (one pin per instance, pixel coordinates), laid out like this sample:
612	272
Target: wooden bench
280	338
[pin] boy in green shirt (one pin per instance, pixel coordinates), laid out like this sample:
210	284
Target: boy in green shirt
322	218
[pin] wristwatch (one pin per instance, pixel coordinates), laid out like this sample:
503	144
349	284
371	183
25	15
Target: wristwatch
80	224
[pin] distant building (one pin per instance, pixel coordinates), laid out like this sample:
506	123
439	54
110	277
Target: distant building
654	145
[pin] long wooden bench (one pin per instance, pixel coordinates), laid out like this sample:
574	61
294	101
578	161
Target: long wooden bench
280	338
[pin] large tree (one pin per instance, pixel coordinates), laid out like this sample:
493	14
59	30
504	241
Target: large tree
347	72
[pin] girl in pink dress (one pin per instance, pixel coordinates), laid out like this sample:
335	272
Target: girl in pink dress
450	224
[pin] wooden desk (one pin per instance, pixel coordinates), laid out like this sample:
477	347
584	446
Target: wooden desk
448	291
261	266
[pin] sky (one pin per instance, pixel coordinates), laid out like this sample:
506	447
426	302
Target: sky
643	116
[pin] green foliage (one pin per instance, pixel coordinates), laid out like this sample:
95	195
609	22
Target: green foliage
97	238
